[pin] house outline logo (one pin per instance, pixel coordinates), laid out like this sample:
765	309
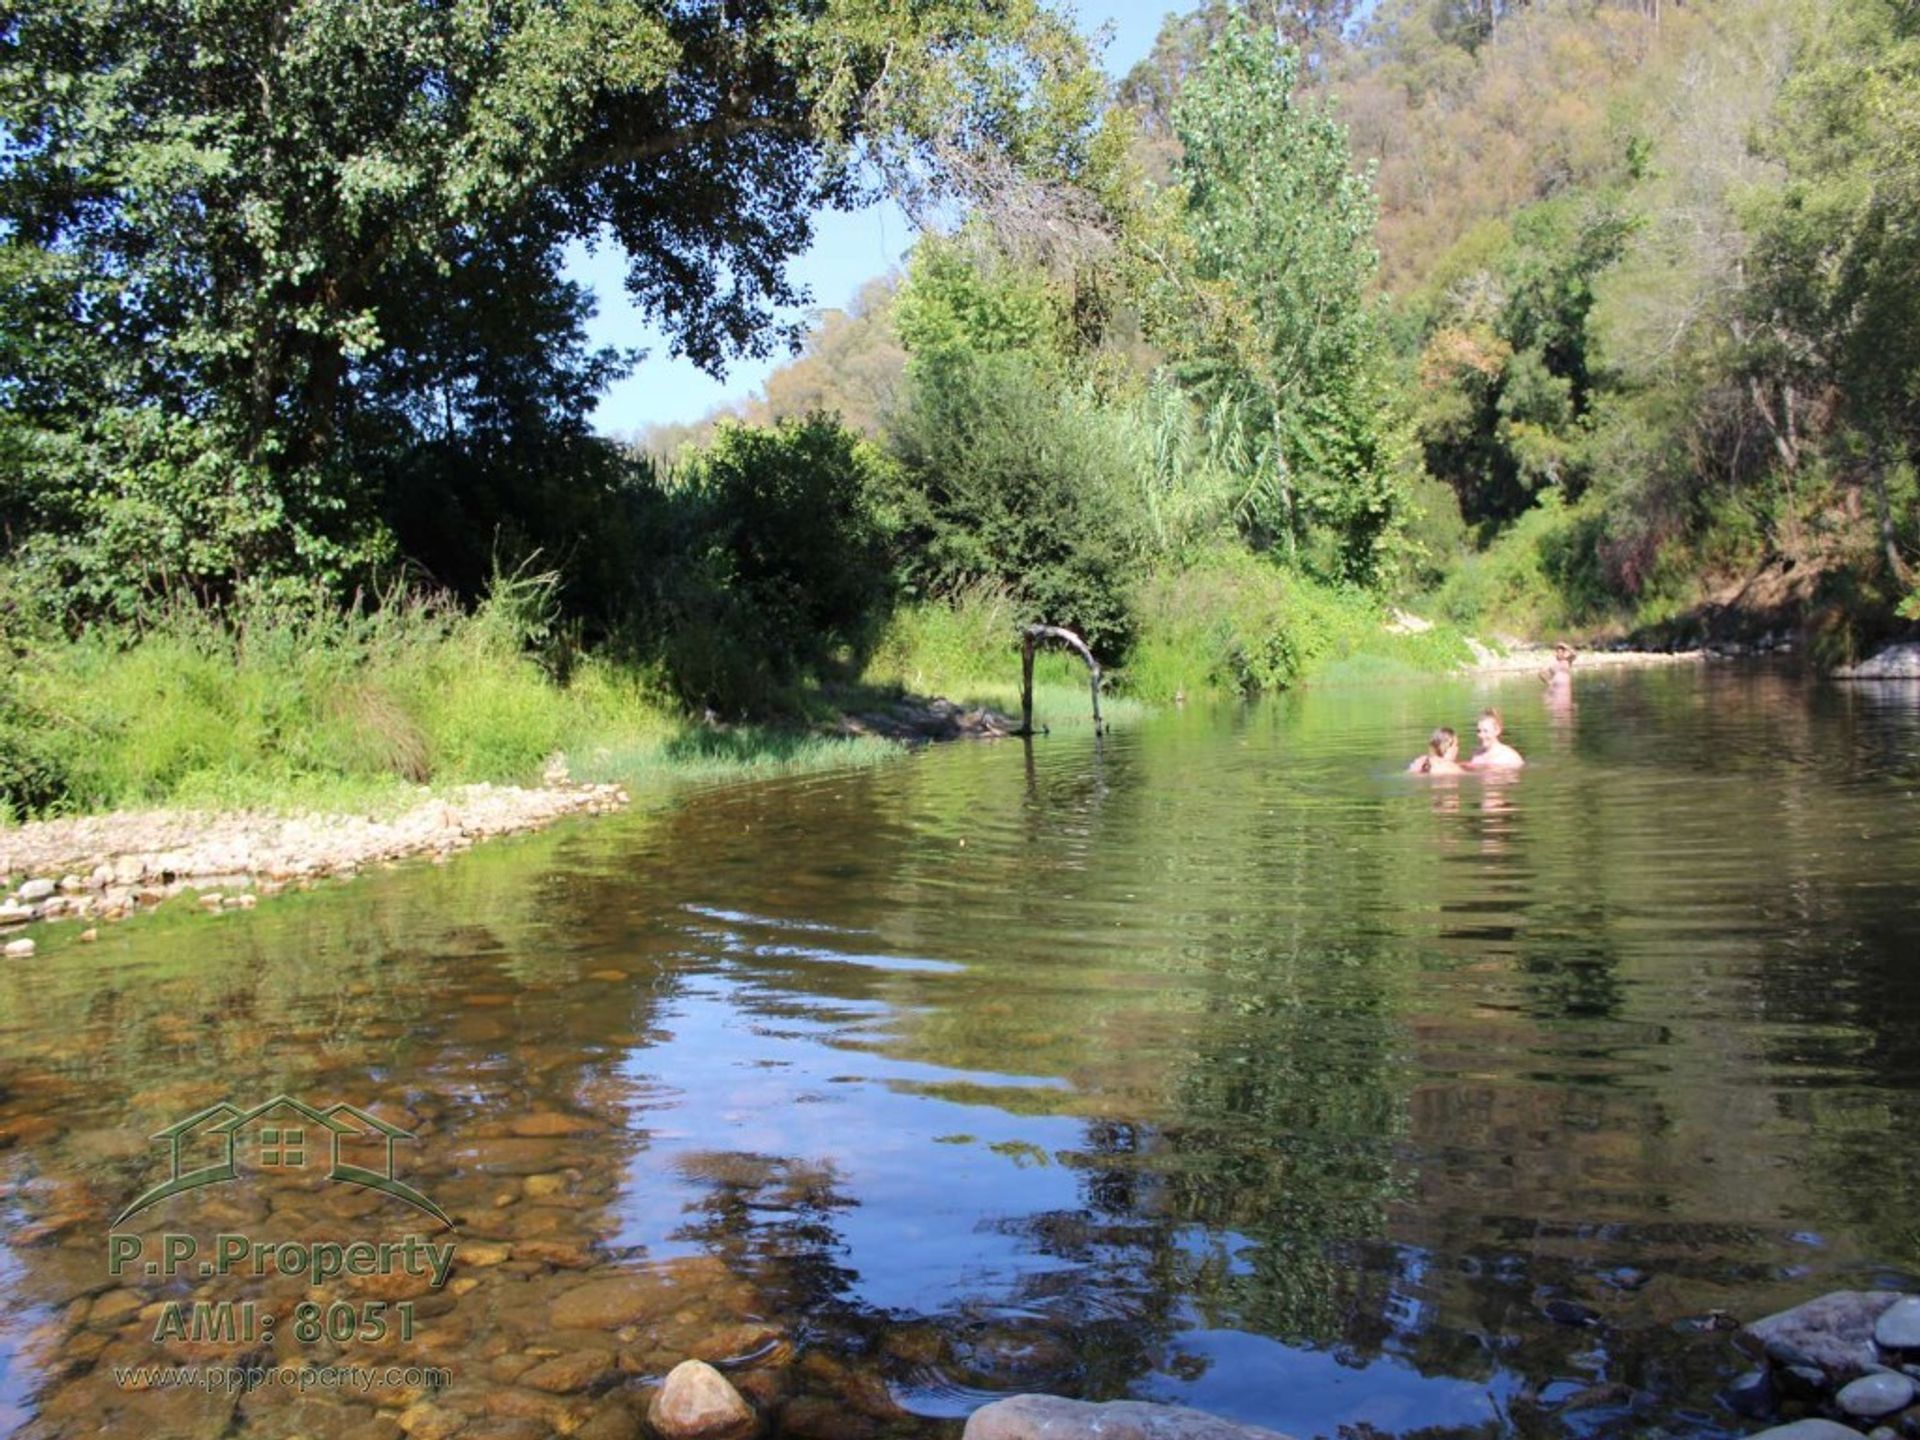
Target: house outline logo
282	1145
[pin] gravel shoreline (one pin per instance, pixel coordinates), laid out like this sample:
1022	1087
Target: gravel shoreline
1536	658
106	867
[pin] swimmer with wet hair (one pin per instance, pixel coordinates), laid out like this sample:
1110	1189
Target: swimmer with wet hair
1442	757
1494	752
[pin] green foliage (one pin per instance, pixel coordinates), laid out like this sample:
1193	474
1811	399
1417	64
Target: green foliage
951	308
1265	305
1241	624
1186	495
1835	239
277	696
968	638
1001	482
1507	369
775	563
1541	576
311	254
288	702
133	507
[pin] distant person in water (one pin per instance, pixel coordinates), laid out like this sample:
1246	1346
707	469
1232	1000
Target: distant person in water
1494	753
1559	681
1443	754
1560	672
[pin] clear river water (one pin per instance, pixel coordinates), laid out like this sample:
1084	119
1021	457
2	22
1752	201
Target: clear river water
1217	1062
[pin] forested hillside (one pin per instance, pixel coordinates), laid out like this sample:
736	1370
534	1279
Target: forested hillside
1568	317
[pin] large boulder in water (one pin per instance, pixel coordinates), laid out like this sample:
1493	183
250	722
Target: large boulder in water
1896	662
1048	1417
1834	1332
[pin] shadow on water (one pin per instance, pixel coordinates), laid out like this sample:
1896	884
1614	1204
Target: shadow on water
1219	1062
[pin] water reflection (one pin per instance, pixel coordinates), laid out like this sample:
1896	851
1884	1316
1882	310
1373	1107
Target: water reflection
1220	1063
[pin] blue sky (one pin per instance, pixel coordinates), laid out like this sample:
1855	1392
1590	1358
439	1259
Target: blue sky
847	251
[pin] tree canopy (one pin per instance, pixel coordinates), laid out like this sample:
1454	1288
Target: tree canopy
323	235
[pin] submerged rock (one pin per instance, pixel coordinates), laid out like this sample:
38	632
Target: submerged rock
1752	1395
1048	1417
697	1403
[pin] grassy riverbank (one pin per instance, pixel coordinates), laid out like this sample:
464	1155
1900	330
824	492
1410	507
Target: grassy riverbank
311	707
314	708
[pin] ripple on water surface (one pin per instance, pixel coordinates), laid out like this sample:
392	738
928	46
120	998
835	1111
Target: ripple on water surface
1222	1062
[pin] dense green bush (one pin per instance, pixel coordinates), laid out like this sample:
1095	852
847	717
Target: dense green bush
1542	574
136	506
1002	483
772	561
1242	624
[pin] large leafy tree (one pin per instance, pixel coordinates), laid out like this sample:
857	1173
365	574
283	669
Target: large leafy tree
1835	298
320	232
1265	303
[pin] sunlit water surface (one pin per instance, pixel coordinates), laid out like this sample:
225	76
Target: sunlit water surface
1219	1063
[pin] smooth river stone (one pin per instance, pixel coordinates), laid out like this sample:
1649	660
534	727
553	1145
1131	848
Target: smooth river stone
1048	1417
1809	1430
1834	1331
1899	1327
1872	1396
698	1403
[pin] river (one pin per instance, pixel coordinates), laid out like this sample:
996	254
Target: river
1217	1062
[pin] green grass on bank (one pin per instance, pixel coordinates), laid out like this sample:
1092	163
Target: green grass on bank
313	709
305	708
1230	624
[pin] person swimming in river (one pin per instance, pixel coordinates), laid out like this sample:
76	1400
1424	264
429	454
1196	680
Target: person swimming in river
1494	752
1442	757
1559	675
1558	678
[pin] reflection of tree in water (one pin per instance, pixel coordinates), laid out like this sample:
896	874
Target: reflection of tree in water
1288	1109
771	1218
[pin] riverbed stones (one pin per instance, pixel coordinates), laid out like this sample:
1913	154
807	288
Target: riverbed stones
1834	1332
1751	1395
20	949
1898	1327
1813	1429
427	1421
1872	1396
617	1300
565	1374
549	1124
697	1403
35	891
1048	1417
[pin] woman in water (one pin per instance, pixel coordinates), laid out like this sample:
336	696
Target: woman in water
1559	675
1494	753
1443	754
